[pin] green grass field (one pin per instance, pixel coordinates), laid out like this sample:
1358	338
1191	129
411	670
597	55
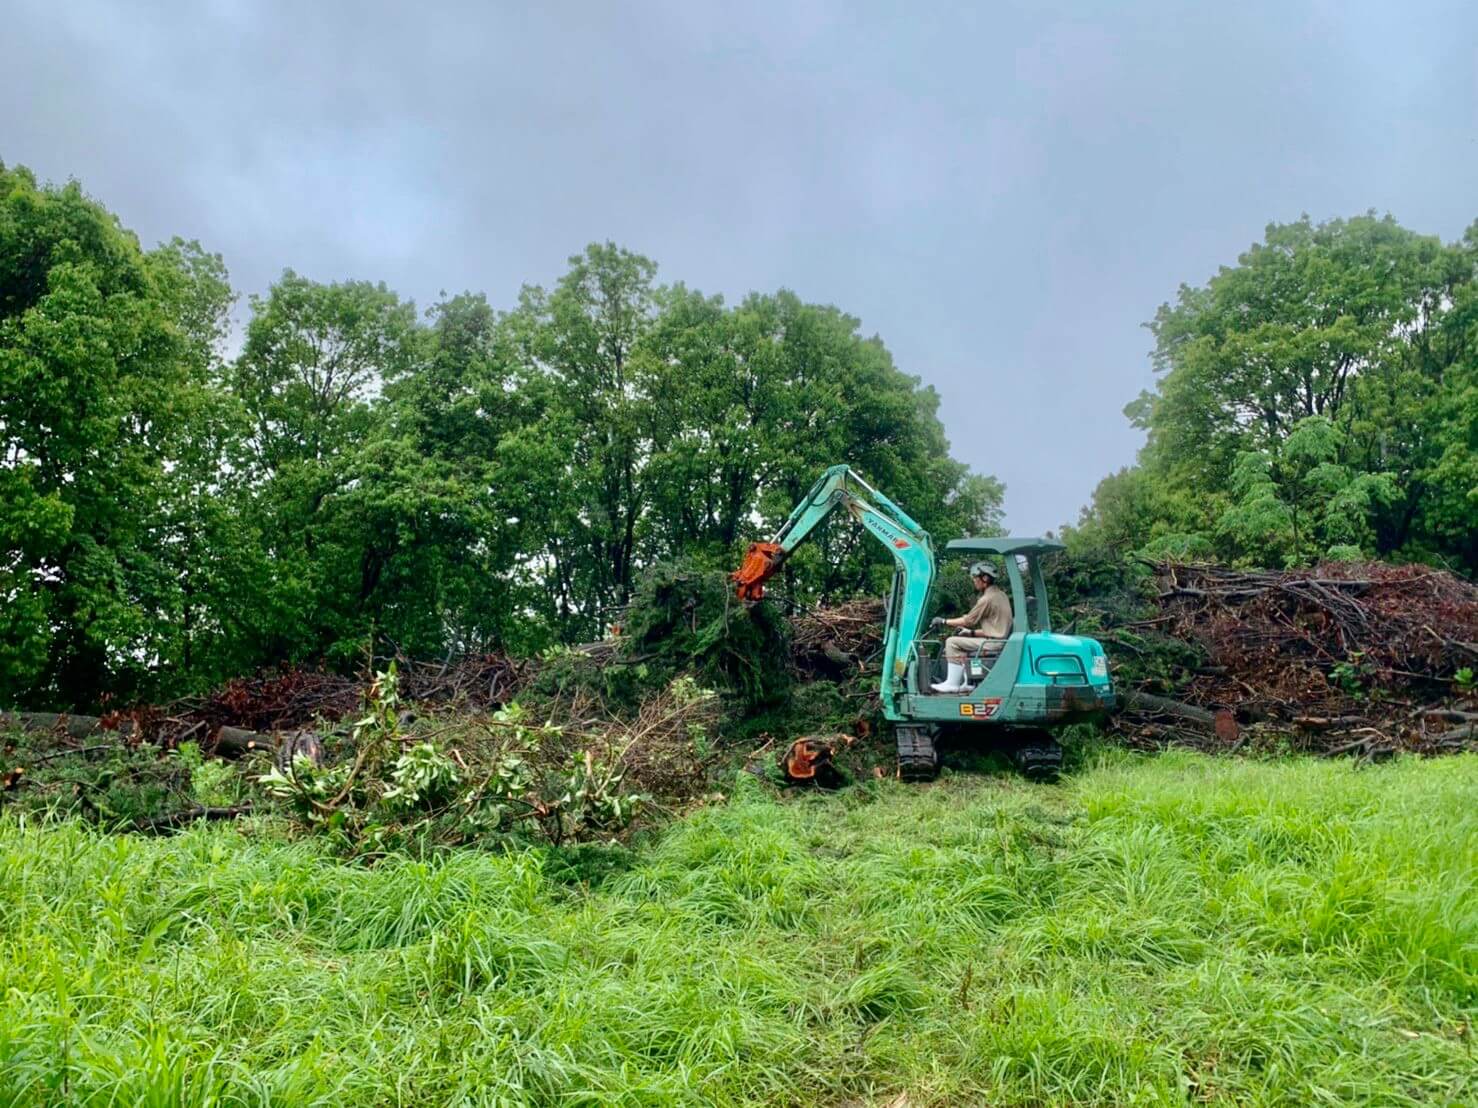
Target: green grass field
1153	930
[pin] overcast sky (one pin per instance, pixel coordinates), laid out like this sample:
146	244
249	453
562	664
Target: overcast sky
1003	192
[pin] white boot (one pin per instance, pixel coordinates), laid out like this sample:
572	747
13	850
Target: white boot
955	682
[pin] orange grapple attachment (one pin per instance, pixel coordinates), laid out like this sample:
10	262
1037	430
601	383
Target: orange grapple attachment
760	563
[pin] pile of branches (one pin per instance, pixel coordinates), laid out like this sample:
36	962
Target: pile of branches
572	767
294	698
1362	658
571	771
836	642
282	712
662	748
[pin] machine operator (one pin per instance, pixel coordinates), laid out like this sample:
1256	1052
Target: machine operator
983	629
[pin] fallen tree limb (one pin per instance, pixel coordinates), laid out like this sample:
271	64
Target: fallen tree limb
79	727
227	741
1451	715
1325	723
175	820
1466	733
1148	702
1358	746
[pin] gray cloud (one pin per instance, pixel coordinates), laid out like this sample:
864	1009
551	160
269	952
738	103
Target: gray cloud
1003	192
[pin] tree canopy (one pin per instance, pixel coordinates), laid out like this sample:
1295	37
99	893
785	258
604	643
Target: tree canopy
363	476
180	503
1317	400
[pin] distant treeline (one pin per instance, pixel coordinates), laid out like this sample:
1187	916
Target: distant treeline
363	475
1318	400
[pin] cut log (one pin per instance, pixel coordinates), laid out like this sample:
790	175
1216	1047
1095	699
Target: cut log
1164	706
1325	723
1468	733
234	742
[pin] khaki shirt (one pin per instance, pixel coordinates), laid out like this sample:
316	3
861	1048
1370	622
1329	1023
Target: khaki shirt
991	616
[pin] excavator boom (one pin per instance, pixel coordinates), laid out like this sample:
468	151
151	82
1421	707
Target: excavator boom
909	544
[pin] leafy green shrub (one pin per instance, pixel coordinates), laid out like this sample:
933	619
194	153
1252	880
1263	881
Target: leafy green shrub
688	620
213	783
526	778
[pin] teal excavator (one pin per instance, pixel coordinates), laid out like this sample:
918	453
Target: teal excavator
1036	682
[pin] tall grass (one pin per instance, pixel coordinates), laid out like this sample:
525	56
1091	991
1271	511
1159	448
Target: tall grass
1164	930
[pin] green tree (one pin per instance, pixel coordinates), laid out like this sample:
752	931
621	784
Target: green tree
104	366
1315	397
447	513
664	425
583	457
214	570
313	365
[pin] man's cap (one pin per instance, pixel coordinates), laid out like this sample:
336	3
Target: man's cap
981	569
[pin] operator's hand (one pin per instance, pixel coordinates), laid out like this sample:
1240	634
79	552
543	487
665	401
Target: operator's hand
938	621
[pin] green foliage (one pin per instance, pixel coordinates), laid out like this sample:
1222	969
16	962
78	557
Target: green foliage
529	781
1316	398
360	478
1151	931
1300	503
663	425
106	400
214	783
687	620
1350	675
110	783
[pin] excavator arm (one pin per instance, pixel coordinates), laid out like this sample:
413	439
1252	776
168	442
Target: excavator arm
908	543
838	487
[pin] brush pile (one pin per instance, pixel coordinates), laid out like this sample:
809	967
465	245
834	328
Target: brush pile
569	772
294	698
121	766
1362	658
836	642
684	619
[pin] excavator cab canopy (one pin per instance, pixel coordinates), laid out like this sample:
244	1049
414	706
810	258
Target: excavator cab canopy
1003	545
1028	591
